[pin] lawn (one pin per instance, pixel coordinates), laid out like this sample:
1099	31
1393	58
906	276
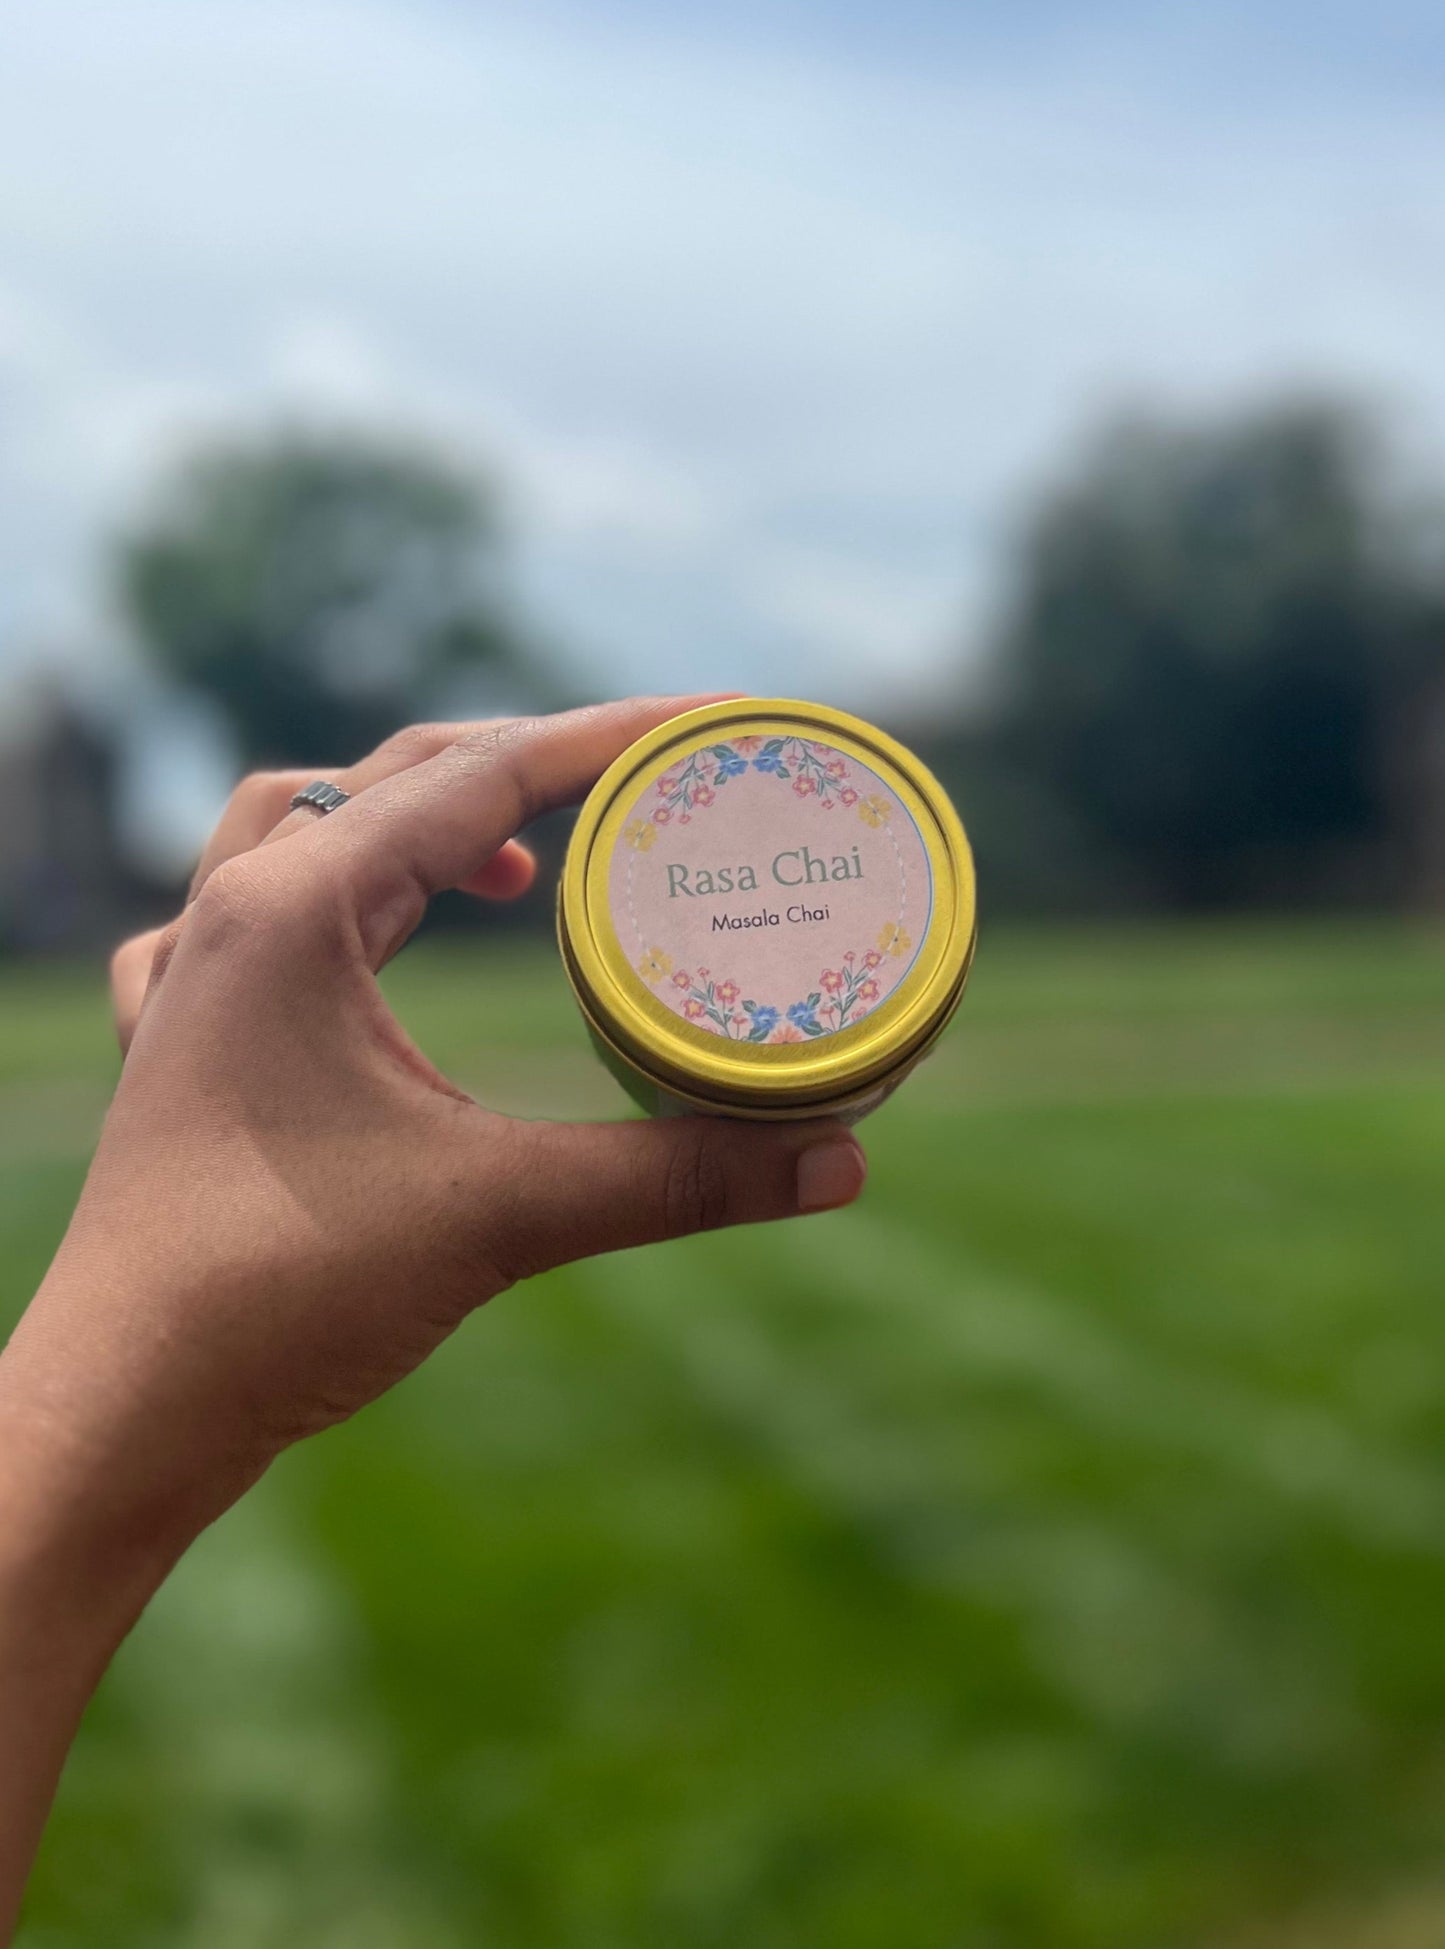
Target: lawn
1048	1554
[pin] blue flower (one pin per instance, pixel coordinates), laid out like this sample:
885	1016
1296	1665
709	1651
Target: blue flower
765	1020
730	764
769	761
802	1016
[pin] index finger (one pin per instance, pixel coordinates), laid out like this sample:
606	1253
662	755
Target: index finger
433	826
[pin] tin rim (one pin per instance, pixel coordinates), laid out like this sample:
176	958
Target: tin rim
776	1077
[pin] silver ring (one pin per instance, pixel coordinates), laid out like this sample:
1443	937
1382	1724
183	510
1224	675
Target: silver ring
320	796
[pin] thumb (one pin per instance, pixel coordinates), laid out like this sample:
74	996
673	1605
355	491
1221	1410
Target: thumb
600	1187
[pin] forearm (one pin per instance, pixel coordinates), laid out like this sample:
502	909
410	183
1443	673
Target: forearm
54	1645
78	1563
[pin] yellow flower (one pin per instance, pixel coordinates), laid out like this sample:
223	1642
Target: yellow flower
874	809
640	834
894	941
654	964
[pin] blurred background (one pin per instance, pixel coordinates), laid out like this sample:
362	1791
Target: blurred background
1049	1554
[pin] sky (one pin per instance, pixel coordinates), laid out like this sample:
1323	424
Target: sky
769	320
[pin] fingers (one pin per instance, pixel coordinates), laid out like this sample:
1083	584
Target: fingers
585	1188
439	823
259	803
258	807
506	875
130	973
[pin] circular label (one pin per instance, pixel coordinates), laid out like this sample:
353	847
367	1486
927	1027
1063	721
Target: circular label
770	888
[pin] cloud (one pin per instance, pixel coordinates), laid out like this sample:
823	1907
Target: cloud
767	343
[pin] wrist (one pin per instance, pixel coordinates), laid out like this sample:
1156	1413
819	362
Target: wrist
80	1556
104	1482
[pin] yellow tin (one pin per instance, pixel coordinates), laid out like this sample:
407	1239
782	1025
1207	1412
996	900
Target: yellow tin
767	910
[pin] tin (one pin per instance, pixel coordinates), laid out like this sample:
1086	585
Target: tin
767	910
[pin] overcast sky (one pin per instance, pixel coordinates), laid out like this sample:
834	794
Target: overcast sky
767	317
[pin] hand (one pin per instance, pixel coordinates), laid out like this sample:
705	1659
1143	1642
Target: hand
289	1207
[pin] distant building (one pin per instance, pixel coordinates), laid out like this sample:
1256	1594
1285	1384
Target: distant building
64	883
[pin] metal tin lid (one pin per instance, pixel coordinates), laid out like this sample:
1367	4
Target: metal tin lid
767	906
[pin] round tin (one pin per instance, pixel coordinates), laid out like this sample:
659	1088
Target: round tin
767	910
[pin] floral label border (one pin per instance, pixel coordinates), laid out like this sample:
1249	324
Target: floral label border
842	995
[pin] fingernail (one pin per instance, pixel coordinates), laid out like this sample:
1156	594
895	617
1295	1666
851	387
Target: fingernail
830	1174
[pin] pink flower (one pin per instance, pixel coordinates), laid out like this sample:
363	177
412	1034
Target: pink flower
739	1021
684	818
868	990
692	1009
704	795
667	785
835	768
702	974
661	815
747	744
682	979
848	795
831	981
872	958
727	992
820	750
805	783
849	955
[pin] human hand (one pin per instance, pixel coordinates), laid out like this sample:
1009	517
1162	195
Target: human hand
289	1207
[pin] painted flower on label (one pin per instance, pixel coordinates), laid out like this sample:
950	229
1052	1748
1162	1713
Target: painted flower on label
640	834
848	795
874	809
805	785
749	745
662	815
893	940
730	764
666	785
835	768
843	995
704	795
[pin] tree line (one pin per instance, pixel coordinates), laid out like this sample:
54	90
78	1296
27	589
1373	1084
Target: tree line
1218	682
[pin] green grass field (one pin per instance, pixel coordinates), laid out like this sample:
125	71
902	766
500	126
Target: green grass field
1048	1554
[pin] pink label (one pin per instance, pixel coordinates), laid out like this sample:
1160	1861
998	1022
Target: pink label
770	889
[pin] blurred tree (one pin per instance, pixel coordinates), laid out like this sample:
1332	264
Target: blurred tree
322	590
1220	647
